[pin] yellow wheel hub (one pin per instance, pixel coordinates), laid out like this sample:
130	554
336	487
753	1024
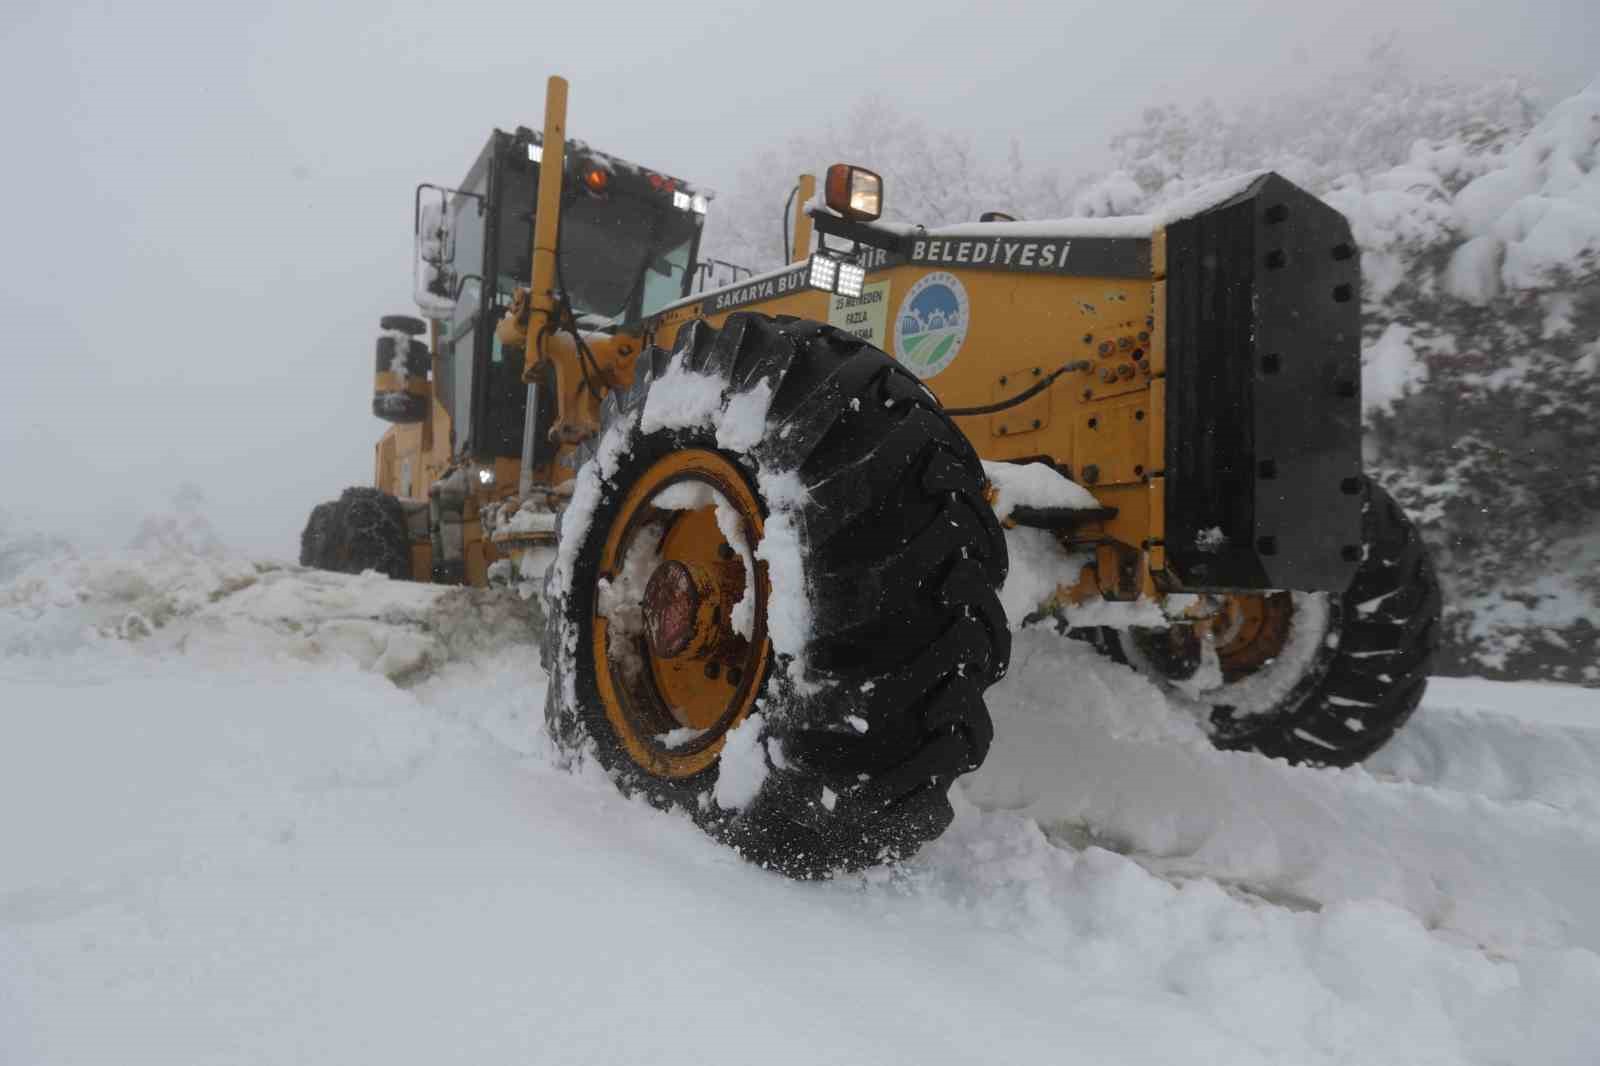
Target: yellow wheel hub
1251	632
679	654
1246	630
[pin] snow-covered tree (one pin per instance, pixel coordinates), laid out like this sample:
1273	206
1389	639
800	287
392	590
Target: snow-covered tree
932	177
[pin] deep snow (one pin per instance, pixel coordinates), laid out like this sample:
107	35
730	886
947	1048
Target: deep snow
254	814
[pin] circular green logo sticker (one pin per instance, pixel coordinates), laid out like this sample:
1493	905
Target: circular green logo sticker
932	324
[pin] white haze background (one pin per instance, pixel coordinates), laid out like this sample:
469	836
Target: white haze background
208	206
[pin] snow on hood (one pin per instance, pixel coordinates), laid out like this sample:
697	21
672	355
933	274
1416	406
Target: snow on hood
1141	225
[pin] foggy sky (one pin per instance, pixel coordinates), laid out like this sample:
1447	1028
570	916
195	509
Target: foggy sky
209	206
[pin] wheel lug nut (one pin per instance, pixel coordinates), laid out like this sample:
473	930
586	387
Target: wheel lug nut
735	675
712	670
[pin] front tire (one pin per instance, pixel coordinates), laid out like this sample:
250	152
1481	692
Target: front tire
878	561
1350	672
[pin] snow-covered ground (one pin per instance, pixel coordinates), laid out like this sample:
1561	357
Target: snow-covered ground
254	814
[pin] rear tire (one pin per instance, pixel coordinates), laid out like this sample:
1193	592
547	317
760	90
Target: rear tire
317	538
1368	672
364	529
871	712
407	324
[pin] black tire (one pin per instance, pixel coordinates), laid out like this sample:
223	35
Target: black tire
407	324
400	406
363	530
317	538
902	558
1351	697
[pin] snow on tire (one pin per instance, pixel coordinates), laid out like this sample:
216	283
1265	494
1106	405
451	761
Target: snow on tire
879	560
1352	671
364	529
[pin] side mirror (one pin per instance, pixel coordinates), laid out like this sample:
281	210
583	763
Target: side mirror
433	285
854	192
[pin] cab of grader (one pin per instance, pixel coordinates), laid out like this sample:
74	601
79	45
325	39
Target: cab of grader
773	519
466	434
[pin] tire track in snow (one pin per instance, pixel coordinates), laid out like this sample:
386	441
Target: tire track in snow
1512	743
1092	752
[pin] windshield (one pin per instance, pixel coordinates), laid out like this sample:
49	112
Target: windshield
621	253
664	278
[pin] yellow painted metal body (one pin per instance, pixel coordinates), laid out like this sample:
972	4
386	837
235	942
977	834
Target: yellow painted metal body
547	213
410	458
806	189
1106	425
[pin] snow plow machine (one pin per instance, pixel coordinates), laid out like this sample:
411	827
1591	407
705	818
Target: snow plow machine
771	516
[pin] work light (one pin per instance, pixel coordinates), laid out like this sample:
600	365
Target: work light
824	271
843	276
851	277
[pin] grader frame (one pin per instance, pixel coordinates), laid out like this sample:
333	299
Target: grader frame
1203	373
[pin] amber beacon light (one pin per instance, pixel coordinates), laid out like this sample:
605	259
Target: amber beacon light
854	192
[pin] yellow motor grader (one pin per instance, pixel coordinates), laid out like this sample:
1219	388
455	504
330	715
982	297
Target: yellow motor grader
771	516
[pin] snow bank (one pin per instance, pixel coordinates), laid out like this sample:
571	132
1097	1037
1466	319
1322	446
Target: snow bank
1114	763
262	845
1352	982
177	591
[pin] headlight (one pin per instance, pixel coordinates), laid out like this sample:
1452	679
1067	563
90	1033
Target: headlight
485	475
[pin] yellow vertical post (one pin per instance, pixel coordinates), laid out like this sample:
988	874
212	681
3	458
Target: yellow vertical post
802	221
546	219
